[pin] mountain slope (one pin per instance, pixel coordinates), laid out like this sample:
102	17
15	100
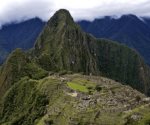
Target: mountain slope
18	65
128	29
53	101
20	35
65	46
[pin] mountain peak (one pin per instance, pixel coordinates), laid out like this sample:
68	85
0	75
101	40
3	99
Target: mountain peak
61	16
64	11
129	16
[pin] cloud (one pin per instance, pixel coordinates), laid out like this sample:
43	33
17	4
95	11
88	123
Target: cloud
18	10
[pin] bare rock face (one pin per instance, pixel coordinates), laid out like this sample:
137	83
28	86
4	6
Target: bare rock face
136	117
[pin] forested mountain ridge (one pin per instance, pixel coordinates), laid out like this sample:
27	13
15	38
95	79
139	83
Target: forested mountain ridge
128	29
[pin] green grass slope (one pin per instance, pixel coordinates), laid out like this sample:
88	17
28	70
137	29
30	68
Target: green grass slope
18	65
122	64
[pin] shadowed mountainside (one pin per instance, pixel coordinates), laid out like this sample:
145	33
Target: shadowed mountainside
128	29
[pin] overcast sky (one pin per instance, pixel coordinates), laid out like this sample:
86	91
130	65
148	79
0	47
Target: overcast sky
18	10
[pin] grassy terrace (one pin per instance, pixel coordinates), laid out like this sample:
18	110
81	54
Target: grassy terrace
77	87
81	85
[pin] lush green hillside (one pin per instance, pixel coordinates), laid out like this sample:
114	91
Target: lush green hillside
18	65
122	64
63	46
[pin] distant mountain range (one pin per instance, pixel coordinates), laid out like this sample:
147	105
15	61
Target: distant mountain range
128	29
20	35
